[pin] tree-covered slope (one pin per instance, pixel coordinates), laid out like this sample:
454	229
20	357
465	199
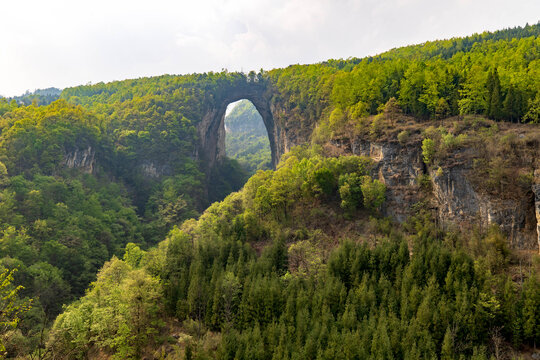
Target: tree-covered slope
80	182
493	74
58	225
301	263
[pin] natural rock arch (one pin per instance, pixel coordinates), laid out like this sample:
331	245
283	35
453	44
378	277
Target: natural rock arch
211	129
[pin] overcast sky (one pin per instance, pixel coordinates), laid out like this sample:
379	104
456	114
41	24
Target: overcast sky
61	43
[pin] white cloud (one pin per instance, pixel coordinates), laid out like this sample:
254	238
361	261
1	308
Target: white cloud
63	43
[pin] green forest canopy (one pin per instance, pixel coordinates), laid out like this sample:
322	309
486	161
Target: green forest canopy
308	294
59	225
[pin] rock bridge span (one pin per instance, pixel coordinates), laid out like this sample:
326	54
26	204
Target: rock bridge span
211	129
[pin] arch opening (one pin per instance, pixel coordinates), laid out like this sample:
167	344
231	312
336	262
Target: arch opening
246	137
212	127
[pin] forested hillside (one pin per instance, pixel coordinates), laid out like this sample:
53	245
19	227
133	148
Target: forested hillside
299	264
247	138
492	74
79	183
36	97
103	196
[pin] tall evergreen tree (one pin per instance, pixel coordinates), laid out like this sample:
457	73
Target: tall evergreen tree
513	104
494	100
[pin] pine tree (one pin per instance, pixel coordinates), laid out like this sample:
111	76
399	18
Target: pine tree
392	111
348	319
513	104
442	110
447	351
531	312
496	103
533	113
494	98
380	346
197	293
188	352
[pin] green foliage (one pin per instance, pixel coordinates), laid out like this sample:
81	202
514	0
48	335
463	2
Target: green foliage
133	255
120	313
533	115
377	126
442	110
490	74
227	176
373	192
438	144
35	138
325	180
358	300
269	284
11	307
150	138
259	267
305	259
403	137
428	150
350	192
514	105
494	102
392	110
73	224
7	105
58	225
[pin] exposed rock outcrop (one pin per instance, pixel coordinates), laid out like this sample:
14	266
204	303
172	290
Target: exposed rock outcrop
458	203
80	159
454	199
154	170
536	192
398	167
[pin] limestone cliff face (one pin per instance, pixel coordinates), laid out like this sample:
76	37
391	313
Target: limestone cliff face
153	169
211	131
536	192
83	159
459	204
452	197
397	166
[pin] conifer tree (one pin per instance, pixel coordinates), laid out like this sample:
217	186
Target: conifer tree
447	351
513	104
494	96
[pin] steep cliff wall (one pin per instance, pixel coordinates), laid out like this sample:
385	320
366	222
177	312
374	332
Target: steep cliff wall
536	191
452	187
458	203
452	190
